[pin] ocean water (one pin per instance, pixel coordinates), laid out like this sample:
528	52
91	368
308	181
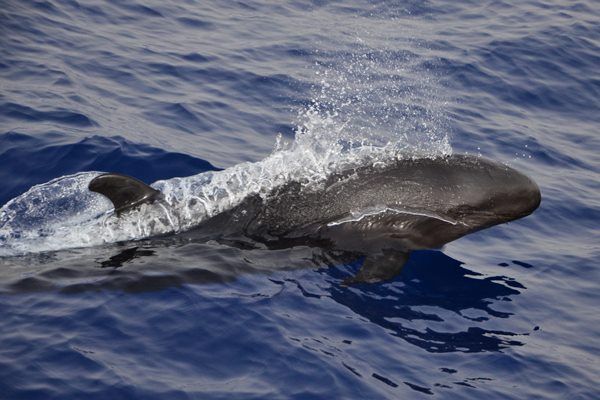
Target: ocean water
244	96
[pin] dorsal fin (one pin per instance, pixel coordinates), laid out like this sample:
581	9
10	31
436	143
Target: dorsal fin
124	191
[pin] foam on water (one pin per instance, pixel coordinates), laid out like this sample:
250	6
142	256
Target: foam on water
352	121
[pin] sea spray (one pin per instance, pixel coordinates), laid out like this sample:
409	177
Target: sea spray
356	117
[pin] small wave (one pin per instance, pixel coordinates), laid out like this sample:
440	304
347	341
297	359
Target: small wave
60	116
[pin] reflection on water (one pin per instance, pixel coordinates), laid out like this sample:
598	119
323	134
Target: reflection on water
436	303
125	256
422	306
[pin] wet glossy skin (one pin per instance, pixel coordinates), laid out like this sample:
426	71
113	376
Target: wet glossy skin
412	204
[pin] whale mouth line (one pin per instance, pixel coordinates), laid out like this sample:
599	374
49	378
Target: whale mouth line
371	212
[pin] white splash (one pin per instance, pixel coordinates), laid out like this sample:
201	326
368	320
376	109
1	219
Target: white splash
353	120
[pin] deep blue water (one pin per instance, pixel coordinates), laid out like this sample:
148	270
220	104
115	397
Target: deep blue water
158	90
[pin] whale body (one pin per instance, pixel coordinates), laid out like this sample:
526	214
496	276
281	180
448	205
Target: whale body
382	212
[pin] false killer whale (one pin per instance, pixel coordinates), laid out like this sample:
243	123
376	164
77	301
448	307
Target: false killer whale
382	212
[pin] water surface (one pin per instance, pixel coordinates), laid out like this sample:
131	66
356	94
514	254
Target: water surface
170	89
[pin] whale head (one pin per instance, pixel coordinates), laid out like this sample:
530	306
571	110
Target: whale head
489	193
410	204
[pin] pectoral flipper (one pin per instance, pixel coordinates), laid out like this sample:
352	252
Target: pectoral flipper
380	267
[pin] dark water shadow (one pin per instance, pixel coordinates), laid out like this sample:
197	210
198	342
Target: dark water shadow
441	285
147	265
125	256
430	304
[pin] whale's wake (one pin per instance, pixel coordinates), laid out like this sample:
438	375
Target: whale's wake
352	121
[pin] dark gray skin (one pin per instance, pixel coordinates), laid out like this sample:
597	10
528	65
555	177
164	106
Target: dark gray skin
380	212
